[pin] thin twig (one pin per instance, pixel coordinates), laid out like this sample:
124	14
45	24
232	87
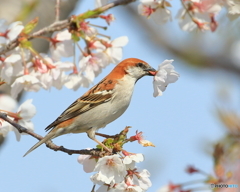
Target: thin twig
106	136
57	10
50	144
93	188
189	14
186	9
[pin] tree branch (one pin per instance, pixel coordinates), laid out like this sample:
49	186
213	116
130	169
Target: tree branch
59	25
50	144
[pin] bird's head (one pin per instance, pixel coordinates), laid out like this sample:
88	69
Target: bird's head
135	68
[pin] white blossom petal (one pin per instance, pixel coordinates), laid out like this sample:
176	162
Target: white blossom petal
7	102
120	41
5	128
63	46
110	169
14	30
27	110
27	82
87	162
165	75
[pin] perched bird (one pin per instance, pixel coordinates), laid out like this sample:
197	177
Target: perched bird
102	104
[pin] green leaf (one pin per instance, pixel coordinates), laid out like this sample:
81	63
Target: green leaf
90	14
30	26
75	37
26	44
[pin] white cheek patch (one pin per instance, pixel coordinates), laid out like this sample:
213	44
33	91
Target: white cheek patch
135	72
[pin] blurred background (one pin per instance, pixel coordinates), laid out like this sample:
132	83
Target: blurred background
195	122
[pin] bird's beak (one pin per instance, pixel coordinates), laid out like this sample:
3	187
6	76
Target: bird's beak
151	71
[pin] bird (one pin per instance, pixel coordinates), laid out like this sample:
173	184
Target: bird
100	105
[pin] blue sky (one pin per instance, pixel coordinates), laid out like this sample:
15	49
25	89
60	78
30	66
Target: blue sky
182	124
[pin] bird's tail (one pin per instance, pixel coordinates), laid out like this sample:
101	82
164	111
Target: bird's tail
44	140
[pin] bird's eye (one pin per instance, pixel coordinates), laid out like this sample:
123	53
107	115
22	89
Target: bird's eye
141	65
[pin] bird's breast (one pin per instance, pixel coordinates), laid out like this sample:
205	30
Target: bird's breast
121	96
107	112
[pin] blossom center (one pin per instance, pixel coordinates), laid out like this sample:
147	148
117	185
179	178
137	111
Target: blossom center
110	162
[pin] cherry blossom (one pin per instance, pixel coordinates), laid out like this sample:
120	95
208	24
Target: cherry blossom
233	7
141	179
61	45
76	80
156	10
23	117
198	14
132	158
14	30
104	188
185	21
98	179
89	31
3	28
206	6
88	162
11	67
108	18
26	82
165	75
117	173
60	81
139	137
161	16
11	32
110	169
50	73
39	65
7	103
128	186
25	112
57	73
92	65
5	127
114	48
96	45
145	9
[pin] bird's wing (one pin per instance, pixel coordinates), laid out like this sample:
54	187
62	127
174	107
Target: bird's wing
100	93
